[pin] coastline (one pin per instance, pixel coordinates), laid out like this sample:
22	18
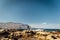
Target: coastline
29	35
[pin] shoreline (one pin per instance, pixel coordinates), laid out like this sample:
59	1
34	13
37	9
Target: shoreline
29	35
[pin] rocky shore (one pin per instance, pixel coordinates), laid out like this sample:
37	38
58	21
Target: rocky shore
13	34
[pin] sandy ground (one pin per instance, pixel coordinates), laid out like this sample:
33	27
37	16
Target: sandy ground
29	35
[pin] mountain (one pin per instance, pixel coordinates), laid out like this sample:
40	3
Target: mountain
12	25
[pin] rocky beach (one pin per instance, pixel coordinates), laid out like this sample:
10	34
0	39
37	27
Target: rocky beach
19	31
13	34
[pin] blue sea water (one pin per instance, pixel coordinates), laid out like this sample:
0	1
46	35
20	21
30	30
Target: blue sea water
45	29
52	29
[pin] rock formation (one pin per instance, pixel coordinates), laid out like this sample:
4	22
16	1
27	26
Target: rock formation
12	25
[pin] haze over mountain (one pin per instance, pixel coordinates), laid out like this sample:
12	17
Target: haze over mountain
12	25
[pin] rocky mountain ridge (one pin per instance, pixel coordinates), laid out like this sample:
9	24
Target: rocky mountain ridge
12	25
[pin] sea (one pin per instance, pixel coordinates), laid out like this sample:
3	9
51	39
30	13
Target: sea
52	29
45	29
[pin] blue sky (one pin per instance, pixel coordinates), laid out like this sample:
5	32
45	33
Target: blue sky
31	12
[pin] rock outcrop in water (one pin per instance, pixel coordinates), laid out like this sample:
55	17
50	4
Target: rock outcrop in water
12	25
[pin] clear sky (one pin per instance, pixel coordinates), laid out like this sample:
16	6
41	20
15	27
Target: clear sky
32	12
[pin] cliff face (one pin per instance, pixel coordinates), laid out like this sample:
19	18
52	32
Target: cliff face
11	25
